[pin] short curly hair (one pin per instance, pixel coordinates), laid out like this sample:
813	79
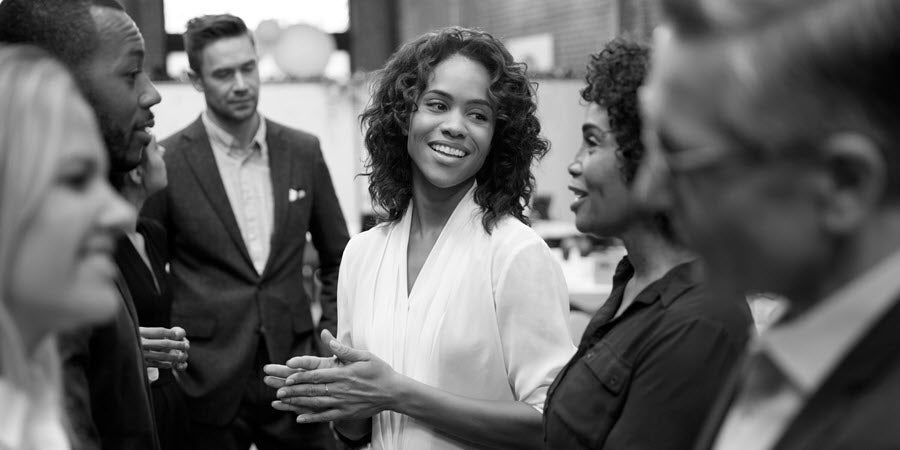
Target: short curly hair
613	78
505	181
64	28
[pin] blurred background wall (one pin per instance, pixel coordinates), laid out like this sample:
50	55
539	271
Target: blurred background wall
317	57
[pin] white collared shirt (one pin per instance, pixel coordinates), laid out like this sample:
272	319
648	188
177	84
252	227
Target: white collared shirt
805	351
245	175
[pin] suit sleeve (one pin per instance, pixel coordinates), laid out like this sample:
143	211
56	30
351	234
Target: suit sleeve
329	236
75	353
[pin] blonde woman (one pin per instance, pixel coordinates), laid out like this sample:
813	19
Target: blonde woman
58	222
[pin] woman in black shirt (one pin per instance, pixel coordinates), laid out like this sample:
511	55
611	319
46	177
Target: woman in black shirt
141	258
654	356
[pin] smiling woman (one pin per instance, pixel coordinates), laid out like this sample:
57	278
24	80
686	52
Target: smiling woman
463	315
58	220
450	132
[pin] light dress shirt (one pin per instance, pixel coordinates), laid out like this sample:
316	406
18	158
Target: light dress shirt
487	317
796	357
245	175
31	422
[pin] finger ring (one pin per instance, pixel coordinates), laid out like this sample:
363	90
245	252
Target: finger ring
326	388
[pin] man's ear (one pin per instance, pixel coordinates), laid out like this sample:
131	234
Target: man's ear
856	171
196	80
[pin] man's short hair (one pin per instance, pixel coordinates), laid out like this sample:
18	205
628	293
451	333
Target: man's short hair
810	68
64	28
204	30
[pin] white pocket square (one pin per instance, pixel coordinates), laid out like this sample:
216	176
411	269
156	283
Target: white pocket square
295	194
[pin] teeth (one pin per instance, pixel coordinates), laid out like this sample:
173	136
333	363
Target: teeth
447	150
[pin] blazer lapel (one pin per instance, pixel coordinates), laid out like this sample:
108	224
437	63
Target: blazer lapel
861	369
203	163
280	168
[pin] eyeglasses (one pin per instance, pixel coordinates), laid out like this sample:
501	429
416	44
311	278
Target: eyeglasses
693	160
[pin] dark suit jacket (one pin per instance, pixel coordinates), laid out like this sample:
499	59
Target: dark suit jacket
857	407
106	387
218	298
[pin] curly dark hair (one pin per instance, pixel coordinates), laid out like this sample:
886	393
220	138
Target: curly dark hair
64	28
613	78
505	181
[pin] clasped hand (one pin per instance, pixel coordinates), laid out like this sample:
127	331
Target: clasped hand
354	384
165	348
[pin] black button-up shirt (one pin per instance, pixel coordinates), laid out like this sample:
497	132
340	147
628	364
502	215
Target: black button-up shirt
646	379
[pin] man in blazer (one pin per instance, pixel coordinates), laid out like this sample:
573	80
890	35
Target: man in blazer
243	192
773	135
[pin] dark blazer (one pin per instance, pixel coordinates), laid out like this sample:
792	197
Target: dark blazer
107	392
857	406
218	298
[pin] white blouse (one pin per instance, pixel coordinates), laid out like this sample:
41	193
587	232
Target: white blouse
486	317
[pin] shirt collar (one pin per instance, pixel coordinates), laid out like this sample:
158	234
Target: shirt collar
666	289
227	141
809	347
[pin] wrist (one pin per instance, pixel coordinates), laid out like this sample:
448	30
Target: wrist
398	393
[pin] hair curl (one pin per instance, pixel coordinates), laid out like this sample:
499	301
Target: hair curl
613	78
505	181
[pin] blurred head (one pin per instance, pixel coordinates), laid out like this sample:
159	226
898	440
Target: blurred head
58	215
772	128
491	135
223	61
103	48
611	151
149	177
151	174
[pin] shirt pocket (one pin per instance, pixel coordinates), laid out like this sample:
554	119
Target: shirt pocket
590	399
